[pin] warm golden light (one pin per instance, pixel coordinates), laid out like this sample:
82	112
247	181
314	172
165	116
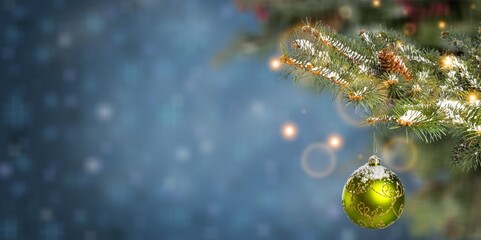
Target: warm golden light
448	61
399	43
275	64
473	97
289	131
376	3
442	24
335	141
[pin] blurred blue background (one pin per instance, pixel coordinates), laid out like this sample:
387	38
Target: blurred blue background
116	124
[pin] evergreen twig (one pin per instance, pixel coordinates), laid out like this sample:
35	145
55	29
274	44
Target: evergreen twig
398	83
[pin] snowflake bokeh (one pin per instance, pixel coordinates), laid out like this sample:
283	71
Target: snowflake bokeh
117	125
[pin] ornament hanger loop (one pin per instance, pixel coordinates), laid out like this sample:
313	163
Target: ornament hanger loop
374	160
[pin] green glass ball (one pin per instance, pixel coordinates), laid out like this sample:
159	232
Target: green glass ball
373	196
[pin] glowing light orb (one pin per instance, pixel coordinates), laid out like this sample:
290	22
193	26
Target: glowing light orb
289	131
448	61
472	98
335	141
275	64
441	24
376	3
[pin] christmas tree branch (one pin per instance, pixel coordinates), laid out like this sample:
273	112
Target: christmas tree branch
319	71
399	84
337	45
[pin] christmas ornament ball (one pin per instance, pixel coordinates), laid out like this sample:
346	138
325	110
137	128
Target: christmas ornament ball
373	196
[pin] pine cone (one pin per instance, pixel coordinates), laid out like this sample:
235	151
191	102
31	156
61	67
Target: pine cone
392	63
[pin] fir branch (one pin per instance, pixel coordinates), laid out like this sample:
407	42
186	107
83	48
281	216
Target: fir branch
381	119
398	83
344	50
323	72
367	38
307	46
466	155
424	120
457	69
414	54
366	93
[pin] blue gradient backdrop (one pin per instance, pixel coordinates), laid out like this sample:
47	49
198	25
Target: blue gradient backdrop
115	125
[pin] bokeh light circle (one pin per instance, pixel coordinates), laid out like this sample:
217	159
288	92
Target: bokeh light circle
313	153
399	149
348	117
345	12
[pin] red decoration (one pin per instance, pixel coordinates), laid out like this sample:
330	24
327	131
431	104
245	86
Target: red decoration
416	12
262	13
